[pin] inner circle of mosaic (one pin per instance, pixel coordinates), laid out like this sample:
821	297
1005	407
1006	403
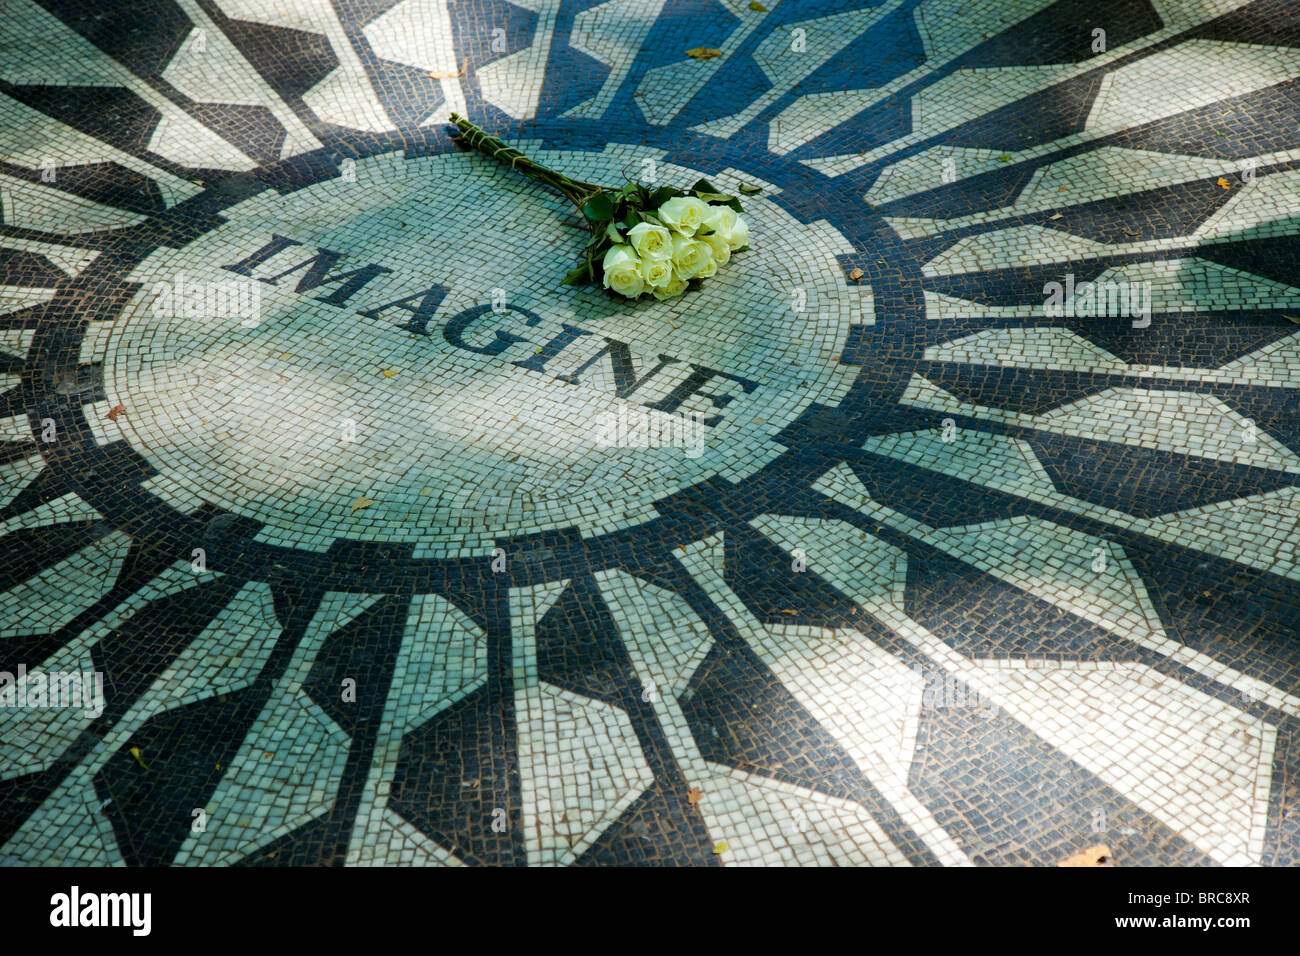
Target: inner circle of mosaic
388	355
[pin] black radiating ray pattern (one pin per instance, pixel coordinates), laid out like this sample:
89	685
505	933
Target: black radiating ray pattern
1038	808
579	649
998	621
994	784
1158	481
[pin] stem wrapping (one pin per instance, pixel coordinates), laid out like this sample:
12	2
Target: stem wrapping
575	190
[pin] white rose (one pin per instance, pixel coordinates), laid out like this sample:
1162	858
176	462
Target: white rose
740	234
690	256
623	271
721	251
657	273
651	241
683	214
710	268
676	286
724	221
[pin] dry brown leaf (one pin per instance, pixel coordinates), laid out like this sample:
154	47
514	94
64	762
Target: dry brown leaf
1098	855
117	410
1055	215
447	74
703	53
856	274
1223	183
362	502
694	795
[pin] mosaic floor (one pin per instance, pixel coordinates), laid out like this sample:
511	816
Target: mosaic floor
984	551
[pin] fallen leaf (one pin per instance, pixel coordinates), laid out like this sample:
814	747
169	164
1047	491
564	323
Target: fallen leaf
694	796
135	752
703	53
426	491
1293	318
1055	215
117	410
1098	855
788	610
389	372
856	274
720	847
1131	232
748	190
757	7
1004	158
447	74
362	502
1060	189
1223	183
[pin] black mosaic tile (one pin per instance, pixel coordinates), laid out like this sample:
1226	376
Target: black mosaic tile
1157	482
1041	806
1062	33
338	140
997	621
450	779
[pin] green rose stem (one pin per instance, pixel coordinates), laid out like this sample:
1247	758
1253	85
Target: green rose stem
575	190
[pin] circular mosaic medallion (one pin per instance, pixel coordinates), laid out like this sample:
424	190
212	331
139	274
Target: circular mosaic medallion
388	356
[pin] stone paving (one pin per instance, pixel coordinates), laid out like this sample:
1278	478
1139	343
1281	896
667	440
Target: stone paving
955	523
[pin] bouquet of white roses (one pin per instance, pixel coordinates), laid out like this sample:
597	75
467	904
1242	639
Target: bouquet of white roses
643	241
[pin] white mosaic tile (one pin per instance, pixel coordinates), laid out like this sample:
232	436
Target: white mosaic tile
1203	71
209	69
344	96
1187	423
665	90
513	83
664	638
68	829
418	33
51	598
580	766
225	658
996	461
787	58
259	429
443	657
1186	758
